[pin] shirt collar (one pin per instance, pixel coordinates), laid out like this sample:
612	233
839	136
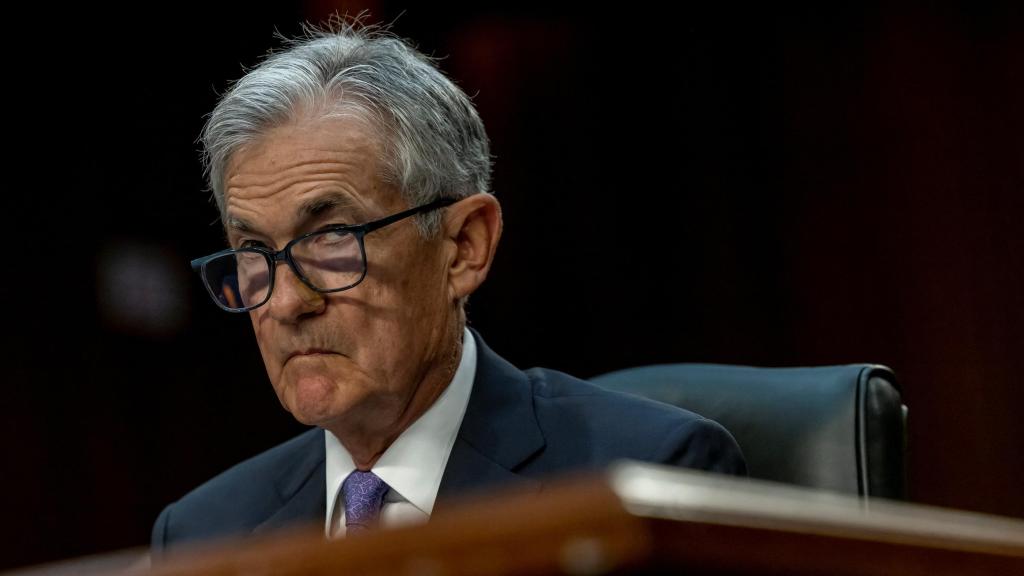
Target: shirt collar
414	463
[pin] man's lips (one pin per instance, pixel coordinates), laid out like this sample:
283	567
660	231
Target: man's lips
309	352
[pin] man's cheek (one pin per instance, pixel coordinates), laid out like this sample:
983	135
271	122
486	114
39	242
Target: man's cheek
270	359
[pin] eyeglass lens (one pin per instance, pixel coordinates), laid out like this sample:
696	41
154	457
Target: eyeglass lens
328	261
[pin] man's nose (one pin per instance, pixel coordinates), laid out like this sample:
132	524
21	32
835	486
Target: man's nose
291	298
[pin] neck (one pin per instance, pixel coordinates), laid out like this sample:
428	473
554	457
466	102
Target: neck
367	443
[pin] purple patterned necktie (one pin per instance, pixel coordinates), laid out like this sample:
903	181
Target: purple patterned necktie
364	493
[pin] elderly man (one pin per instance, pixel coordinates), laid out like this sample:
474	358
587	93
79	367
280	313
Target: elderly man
352	178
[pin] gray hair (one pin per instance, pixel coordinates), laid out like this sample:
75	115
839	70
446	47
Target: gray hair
433	143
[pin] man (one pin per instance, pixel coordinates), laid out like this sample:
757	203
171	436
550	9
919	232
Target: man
352	179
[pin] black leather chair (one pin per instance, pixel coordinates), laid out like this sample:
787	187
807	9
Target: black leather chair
838	428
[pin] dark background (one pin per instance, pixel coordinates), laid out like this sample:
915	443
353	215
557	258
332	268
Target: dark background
770	186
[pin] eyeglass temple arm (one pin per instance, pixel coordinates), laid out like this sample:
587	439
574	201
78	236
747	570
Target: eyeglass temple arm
439	203
197	264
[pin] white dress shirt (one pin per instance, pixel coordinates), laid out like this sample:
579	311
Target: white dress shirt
414	463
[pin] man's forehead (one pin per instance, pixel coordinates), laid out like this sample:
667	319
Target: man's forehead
284	149
298	172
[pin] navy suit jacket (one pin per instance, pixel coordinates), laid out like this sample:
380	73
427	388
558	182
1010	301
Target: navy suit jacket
520	428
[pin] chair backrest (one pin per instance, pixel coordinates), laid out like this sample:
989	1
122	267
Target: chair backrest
839	428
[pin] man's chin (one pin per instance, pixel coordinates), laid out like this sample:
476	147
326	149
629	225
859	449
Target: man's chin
314	401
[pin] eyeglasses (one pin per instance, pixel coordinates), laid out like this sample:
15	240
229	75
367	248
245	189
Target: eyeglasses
328	260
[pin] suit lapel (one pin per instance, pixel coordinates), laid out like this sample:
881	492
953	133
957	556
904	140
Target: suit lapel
499	431
301	486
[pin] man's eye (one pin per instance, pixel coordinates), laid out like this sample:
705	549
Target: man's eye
333	237
251	244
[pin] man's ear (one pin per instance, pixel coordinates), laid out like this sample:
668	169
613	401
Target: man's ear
473	227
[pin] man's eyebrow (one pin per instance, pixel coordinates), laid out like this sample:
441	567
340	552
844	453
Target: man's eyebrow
316	206
306	211
238	225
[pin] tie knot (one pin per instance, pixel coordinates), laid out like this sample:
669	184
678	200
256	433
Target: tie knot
364	493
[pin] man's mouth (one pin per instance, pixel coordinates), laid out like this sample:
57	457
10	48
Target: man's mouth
310	352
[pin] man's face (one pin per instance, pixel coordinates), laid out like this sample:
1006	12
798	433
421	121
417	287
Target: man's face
351	358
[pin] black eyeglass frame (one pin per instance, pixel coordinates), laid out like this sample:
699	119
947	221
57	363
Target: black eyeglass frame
285	254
